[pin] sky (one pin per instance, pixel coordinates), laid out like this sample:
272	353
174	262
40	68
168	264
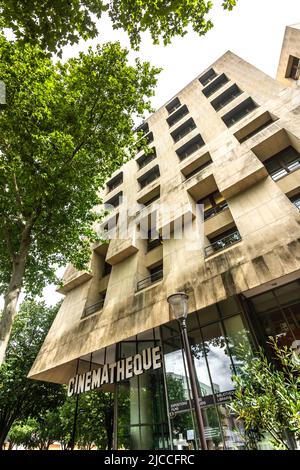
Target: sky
254	30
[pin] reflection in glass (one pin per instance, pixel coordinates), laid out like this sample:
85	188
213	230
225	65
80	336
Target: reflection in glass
238	340
218	358
233	430
183	434
212	429
175	372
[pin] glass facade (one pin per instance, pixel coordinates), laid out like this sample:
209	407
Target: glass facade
214	334
155	409
141	414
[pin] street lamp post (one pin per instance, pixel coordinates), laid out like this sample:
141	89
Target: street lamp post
179	306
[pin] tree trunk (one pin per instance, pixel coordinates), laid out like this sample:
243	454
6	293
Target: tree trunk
14	289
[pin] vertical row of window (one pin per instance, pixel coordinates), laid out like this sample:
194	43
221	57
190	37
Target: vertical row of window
213	82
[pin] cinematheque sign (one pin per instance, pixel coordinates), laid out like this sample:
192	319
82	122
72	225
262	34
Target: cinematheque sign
123	369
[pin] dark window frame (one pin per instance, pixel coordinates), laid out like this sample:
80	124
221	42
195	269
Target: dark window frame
118	198
239	112
282	163
208	77
173	105
114	182
216	207
226	97
177	115
190	147
145	159
222	241
296	201
215	85
183	130
150	176
295	68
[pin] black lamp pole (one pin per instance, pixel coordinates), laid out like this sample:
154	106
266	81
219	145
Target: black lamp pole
179	305
192	374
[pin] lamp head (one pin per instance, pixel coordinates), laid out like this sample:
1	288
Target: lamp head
179	304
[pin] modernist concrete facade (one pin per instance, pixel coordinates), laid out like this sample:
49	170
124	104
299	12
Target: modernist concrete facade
229	140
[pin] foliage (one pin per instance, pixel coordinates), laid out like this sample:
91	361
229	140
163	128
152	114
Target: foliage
268	394
65	130
163	20
94	424
55	23
21	434
20	397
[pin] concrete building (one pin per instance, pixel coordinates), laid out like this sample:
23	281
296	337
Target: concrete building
229	141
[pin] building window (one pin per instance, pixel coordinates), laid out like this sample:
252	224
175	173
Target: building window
238	113
156	274
215	85
295	68
207	77
213	204
143	127
177	115
222	241
114	201
175	104
153	242
93	308
190	147
146	158
115	182
145	140
225	98
283	163
183	130
148	177
106	269
296	201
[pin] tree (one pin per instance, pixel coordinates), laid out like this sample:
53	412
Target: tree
267	396
55	23
95	420
20	397
65	129
21	434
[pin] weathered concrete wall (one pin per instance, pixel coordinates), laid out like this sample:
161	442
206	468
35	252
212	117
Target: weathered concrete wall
290	47
268	223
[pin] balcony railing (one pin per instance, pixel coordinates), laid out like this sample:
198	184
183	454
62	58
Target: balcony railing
93	308
215	210
149	280
222	243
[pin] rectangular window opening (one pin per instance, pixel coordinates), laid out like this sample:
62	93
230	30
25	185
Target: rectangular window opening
238	113
148	177
183	130
225	98
175	104
222	241
190	147
207	77
215	85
